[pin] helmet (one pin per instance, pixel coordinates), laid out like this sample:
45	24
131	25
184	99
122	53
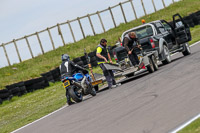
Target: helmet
65	57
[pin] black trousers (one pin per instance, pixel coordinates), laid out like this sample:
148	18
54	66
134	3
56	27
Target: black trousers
134	58
108	75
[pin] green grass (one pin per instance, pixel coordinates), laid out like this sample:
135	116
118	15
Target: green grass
194	127
23	110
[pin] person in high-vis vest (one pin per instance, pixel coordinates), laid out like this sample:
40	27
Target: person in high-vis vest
102	57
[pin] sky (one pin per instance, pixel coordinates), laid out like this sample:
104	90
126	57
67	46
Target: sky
24	17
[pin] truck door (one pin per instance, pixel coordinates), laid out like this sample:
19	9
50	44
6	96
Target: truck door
182	30
164	32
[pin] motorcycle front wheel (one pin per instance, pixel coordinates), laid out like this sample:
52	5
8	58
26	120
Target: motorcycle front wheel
75	93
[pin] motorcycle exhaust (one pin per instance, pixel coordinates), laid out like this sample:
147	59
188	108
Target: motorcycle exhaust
77	84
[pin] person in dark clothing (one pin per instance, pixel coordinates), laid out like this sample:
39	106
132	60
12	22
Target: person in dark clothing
130	42
102	57
67	69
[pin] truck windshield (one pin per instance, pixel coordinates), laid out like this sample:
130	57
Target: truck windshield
143	32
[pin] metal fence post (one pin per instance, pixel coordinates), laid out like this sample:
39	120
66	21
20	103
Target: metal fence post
71	30
29	47
6	54
40	42
120	4
113	19
91	24
163	3
60	33
20	60
143	8
133	9
154	5
81	27
51	39
101	21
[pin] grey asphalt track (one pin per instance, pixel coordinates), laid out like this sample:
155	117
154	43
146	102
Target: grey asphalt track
149	103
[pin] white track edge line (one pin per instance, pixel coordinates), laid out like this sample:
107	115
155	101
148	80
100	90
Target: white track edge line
40	119
185	124
195	43
66	105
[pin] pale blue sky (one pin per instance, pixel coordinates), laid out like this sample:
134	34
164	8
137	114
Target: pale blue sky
22	17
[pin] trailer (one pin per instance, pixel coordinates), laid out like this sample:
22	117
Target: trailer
148	61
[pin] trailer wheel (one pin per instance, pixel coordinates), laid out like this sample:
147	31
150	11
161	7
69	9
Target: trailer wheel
155	62
150	67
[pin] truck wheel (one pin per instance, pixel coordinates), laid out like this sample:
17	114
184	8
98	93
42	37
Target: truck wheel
167	55
155	62
150	67
187	50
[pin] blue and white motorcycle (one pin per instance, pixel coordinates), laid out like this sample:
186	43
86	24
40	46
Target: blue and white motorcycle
78	85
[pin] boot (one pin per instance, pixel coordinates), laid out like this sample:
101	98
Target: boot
69	101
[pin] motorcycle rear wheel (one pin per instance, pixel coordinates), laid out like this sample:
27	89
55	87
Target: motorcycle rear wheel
75	95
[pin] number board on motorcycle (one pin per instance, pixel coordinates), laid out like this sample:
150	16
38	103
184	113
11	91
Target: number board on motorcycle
66	83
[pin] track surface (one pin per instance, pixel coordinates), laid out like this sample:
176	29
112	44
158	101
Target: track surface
151	103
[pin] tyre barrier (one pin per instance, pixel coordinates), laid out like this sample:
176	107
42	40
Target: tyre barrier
91	54
110	50
85	62
1	101
77	59
93	59
56	74
5	94
35	84
17	89
48	77
80	63
83	58
94	64
195	18
188	20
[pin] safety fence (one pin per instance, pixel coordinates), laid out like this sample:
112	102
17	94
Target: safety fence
60	29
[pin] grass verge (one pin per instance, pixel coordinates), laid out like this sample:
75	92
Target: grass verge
194	127
23	110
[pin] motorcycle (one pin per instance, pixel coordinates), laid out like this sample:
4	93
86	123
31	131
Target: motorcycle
78	85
